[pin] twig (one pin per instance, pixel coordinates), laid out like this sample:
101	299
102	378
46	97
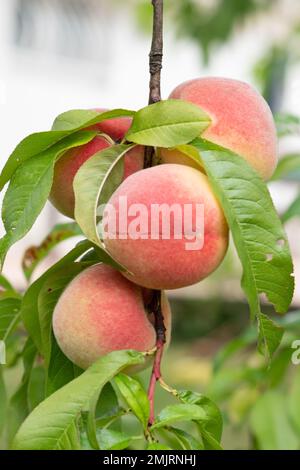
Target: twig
156	53
155	308
155	66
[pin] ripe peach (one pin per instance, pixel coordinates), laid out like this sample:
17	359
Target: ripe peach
116	128
62	194
100	311
162	261
241	119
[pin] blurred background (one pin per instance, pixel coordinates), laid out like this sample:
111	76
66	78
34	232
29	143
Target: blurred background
63	54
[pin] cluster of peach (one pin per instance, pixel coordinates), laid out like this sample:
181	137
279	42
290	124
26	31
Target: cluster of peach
103	310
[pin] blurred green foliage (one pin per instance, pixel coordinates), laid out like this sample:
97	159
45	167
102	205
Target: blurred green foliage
210	24
207	23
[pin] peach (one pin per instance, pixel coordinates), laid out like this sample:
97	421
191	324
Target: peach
166	260
116	128
62	194
99	312
241	119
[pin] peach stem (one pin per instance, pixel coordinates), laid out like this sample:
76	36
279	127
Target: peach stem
160	342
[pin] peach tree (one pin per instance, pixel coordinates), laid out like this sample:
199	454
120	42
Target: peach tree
99	315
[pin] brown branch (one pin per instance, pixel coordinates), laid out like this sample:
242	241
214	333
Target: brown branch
155	66
156	53
155	308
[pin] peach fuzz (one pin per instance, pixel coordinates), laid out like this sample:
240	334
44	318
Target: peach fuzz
241	119
166	263
116	128
99	312
62	193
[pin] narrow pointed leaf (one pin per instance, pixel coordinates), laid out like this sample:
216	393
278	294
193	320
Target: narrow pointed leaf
257	231
29	190
269	335
29	307
60	370
52	424
64	125
80	118
167	124
135	396
48	297
175	413
89	183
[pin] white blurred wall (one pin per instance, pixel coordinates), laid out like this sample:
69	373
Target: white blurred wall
36	85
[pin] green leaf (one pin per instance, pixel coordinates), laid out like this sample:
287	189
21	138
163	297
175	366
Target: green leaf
186	440
192	153
19	405
249	337
175	413
89	183
32	145
286	166
64	125
270	335
294	403
23	202
35	254
258	234
108	405
9	316
36	386
270	424
52	425
4	283
211	427
60	370
167	124
72	119
279	366
157	446
113	440
257	231
287	124
6	290
208	439
103	408
3	402
91	428
48	296
135	396
80	118
29	308
292	211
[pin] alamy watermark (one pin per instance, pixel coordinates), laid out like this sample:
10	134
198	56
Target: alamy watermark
296	354
156	222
